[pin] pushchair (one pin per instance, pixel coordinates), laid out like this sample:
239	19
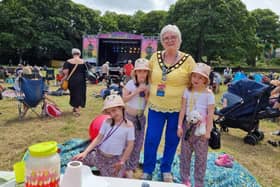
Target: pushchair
30	95
244	113
93	78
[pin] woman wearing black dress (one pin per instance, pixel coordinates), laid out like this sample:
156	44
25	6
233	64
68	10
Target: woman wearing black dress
77	81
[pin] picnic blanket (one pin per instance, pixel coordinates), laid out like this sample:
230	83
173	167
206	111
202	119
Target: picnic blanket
215	176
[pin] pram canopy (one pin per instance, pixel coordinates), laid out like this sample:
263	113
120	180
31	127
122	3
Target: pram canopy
246	88
255	97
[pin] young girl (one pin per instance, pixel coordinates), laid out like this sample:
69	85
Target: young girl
196	98
135	94
113	145
59	77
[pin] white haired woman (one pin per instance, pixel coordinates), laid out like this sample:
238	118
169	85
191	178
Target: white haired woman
170	70
77	81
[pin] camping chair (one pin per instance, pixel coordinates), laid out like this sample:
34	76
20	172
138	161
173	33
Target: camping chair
30	95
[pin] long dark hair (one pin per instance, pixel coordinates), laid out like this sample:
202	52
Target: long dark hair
124	119
146	82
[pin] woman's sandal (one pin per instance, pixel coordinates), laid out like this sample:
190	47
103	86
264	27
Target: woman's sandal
76	113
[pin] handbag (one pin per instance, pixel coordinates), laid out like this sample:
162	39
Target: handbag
65	83
215	138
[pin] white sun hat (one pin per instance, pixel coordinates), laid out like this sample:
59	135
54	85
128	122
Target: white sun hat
112	100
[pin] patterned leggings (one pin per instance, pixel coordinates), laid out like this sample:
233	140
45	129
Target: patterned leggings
200	147
104	164
133	161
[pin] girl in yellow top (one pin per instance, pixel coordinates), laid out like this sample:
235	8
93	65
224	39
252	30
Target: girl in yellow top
170	71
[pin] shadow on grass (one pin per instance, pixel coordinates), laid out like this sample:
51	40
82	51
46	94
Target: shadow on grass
34	118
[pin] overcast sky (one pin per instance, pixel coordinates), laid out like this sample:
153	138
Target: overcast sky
131	6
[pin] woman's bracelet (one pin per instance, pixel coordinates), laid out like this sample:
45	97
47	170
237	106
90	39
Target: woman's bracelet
179	126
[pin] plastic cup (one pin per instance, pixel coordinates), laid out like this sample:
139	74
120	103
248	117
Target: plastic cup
19	170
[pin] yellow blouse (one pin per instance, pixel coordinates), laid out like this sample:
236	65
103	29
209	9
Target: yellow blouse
174	85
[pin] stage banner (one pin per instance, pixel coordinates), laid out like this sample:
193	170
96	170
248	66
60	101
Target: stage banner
149	46
90	47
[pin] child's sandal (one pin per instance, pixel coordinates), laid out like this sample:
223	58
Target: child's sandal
167	177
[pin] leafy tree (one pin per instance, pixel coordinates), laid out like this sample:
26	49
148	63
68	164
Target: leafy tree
16	30
268	27
152	22
44	28
61	27
109	22
125	23
213	28
136	21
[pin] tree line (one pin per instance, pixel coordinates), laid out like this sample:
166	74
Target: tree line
41	30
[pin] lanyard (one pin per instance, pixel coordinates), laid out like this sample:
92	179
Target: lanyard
141	105
112	130
193	100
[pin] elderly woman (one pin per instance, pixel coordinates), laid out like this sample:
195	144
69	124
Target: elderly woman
76	69
170	70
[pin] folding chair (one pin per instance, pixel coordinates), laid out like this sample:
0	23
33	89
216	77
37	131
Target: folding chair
31	95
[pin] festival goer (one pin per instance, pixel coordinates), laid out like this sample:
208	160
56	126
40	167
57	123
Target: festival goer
170	71
105	71
59	76
135	95
1	90
227	75
194	137
112	147
127	69
18	69
77	81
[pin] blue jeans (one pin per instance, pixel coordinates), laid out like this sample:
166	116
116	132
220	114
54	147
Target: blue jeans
156	123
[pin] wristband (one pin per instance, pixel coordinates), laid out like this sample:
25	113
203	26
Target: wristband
179	126
121	162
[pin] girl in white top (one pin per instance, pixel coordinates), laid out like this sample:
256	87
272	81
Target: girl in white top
135	95
113	145
196	98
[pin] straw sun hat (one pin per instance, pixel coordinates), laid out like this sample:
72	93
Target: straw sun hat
140	64
202	69
111	101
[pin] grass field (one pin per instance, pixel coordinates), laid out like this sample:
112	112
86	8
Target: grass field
262	160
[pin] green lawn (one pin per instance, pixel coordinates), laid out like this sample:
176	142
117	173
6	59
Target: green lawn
262	160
